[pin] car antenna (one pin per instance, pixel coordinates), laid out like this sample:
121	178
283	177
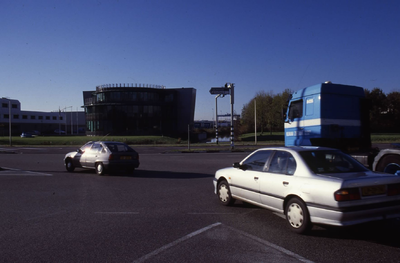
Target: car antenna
104	136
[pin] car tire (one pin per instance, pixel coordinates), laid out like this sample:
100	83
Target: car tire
297	216
69	166
389	164
224	193
99	168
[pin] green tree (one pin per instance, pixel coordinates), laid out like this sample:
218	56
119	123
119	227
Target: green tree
379	107
393	105
268	110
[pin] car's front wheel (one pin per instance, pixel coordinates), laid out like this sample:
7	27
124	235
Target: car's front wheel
297	216
100	168
224	193
69	165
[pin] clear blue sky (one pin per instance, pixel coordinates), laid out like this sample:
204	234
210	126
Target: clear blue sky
51	51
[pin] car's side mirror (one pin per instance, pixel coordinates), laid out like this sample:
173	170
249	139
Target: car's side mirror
79	151
243	167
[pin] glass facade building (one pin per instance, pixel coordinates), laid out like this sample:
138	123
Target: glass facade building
127	109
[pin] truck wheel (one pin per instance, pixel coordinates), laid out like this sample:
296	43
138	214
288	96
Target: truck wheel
389	164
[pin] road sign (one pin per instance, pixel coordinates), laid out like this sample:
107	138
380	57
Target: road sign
222	91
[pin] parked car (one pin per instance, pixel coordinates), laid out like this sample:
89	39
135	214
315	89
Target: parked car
26	135
57	131
310	185
103	156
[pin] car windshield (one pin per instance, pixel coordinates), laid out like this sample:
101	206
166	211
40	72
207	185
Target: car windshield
118	147
321	162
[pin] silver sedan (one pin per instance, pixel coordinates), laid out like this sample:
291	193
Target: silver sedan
103	156
310	185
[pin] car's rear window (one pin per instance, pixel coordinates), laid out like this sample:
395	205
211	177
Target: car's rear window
321	162
118	147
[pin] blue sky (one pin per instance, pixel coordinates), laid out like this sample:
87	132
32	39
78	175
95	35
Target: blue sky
51	51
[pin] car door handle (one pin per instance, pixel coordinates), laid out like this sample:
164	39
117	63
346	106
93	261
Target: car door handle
285	183
255	178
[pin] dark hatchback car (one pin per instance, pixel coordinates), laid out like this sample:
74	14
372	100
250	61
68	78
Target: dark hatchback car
103	156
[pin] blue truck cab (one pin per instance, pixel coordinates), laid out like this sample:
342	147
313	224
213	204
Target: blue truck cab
328	114
337	116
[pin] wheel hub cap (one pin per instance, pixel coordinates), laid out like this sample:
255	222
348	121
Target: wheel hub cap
223	193
295	215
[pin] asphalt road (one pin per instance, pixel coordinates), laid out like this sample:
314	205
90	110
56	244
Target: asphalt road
165	212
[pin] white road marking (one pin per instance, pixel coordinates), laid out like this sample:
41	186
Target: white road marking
117	213
211	213
18	172
176	242
193	234
279	248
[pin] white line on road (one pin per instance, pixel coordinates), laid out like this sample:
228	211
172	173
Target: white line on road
12	171
117	213
176	242
279	248
211	214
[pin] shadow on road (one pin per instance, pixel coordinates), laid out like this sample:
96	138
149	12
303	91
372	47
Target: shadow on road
144	174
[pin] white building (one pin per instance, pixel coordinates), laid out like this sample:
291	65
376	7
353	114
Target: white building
38	122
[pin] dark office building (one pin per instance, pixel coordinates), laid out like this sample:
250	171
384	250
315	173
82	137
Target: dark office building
126	109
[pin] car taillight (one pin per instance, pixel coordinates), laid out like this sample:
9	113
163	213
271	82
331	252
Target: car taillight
110	157
347	194
393	189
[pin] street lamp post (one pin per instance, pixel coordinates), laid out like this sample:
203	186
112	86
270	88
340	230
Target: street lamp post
65	121
9	119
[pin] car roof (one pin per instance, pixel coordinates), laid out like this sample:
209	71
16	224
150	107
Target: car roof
106	142
299	148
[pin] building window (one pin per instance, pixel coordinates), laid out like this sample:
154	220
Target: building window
33	117
6	116
16	116
25	117
5	105
40	117
54	118
61	118
14	106
47	117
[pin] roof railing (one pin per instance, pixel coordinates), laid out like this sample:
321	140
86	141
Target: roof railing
105	87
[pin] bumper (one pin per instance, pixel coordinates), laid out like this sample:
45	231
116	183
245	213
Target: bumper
347	218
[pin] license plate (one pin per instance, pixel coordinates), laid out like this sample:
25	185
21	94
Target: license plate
373	190
126	157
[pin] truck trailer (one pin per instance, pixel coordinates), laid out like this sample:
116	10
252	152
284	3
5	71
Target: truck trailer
337	116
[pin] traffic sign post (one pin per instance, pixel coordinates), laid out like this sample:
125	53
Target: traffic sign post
228	89
220	91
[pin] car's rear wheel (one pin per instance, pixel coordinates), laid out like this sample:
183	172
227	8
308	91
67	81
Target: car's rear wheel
224	193
69	165
297	216
100	168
